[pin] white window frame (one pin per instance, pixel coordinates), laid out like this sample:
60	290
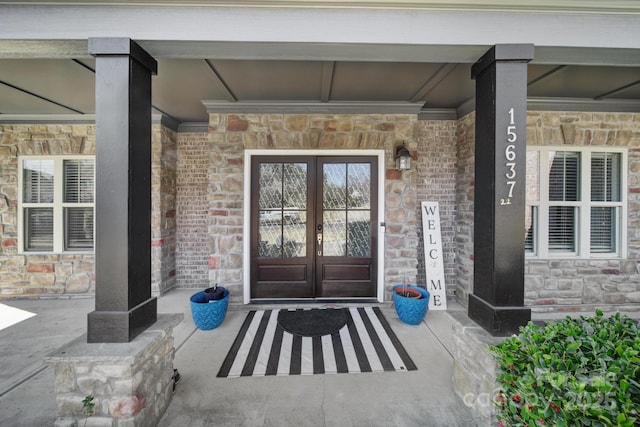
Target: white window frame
583	223
57	205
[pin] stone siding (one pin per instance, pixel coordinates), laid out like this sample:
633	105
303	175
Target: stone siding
198	207
31	275
436	169
34	275
192	249
564	285
230	135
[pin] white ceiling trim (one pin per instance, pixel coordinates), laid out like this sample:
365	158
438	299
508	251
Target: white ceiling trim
584	6
311	107
319	25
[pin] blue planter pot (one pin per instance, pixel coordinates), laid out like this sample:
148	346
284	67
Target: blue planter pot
208	314
409	310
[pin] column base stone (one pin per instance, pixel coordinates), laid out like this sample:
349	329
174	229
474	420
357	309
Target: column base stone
474	368
131	383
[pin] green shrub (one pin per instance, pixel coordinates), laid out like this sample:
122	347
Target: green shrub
574	372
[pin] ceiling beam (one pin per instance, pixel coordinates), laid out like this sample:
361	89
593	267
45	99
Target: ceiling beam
222	85
433	81
328	68
35	95
553	72
618	90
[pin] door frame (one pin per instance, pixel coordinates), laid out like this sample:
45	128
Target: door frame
246	241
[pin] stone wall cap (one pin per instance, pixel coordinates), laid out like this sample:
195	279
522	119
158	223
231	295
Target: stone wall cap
166	322
466	326
79	350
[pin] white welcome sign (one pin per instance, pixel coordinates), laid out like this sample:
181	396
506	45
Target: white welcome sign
433	262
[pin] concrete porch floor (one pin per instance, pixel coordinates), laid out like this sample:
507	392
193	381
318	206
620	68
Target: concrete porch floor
419	398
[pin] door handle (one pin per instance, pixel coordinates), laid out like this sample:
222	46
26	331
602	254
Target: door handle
319	238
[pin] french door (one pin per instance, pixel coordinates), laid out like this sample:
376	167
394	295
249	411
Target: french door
313	226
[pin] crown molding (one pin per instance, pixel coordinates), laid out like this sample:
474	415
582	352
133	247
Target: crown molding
193	127
312	107
48	118
438	114
581	104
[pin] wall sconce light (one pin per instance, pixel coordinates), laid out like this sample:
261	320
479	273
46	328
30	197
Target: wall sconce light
403	158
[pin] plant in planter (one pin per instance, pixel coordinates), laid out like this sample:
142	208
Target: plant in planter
214	294
408	292
575	372
209	307
411	303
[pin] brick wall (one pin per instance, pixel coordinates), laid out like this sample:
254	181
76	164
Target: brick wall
560	285
192	239
436	168
465	135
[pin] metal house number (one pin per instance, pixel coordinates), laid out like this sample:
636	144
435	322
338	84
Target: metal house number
510	157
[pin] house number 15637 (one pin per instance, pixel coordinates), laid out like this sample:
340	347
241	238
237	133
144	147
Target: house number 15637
510	157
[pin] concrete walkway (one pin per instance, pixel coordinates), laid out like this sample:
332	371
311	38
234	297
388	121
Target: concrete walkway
419	398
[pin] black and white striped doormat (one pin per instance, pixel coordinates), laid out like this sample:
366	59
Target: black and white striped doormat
365	344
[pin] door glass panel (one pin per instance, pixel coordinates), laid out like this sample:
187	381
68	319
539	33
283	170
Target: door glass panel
295	234
346	203
359	237
334	242
295	186
359	185
282	204
270	185
334	186
269	237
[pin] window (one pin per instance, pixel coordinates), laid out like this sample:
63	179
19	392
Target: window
56	204
575	202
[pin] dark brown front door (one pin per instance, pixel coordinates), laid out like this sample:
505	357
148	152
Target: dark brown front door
313	232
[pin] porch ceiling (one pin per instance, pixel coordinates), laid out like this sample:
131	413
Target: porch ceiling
358	56
66	86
